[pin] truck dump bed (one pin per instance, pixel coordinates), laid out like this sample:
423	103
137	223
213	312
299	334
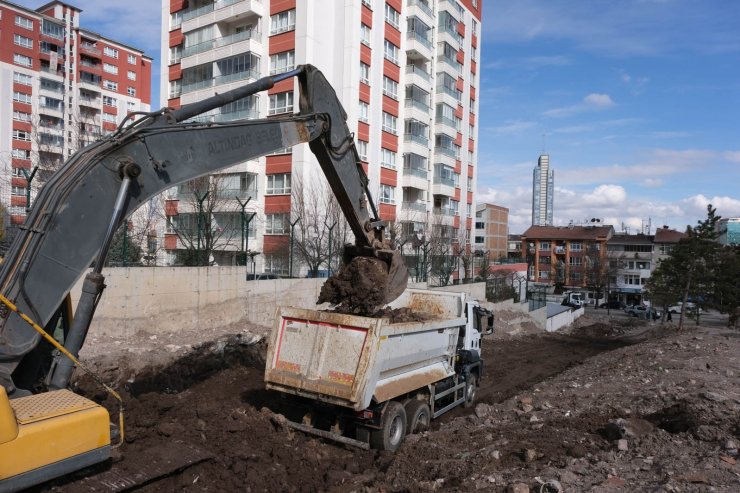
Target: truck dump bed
349	360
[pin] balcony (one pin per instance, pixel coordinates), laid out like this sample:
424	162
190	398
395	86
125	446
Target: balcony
417	109
220	11
240	193
448	122
443	187
89	102
418	46
449	96
415	178
414	206
420	6
89	49
219	48
417	75
196	91
452	66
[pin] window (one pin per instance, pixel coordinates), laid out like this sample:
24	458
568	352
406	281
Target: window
278	184
21	97
389	123
633	279
480	225
365	34
22	41
109	101
131	75
576	276
367	3
282	22
544	246
387	158
391	16
111	52
21	116
175	88
111	69
575	261
276	224
472	53
24	79
110	85
282	62
131	91
18	172
281	103
24	60
387	194
391	52
18	190
364	111
24	154
22	135
470	183
130	106
362	149
364	73
390	87
175	54
132	60
544	274
23	22
107	117
576	246
175	20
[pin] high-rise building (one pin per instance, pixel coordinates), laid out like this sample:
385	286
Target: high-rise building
406	72
729	231
543	188
61	88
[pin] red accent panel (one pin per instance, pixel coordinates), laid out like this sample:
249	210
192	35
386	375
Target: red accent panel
277	6
458	166
20	163
364	92
365	54
389	141
390	105
22	126
461	29
109	126
143	81
282	42
470	170
393	35
176	37
391	70
283	86
366	16
461	56
476	11
175	72
471	145
457	194
18	220
22	144
470	197
473	67
460	84
174	103
365	167
458	139
18	200
388	176
472	118
24	107
22	88
177	5
275	244
278	164
472	93
170	207
474	41
469	221
17	181
459	111
396	4
277	203
387	212
170	241
456	222
363	131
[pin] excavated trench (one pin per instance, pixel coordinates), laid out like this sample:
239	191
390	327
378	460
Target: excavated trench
213	400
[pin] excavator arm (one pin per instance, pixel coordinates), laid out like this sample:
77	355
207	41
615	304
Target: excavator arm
76	213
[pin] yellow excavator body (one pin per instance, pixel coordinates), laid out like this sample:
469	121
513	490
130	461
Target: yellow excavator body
47	435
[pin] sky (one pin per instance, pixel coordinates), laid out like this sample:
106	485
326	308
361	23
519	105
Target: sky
635	101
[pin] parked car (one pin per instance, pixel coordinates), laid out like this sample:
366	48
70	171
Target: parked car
678	308
262	276
643	312
615	304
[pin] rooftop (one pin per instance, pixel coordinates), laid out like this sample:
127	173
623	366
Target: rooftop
665	235
568	233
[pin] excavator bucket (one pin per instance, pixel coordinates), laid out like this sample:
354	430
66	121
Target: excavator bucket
367	280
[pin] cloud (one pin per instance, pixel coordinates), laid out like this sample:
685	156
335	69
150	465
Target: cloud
669	134
636	85
592	102
652	182
515	127
726	206
732	156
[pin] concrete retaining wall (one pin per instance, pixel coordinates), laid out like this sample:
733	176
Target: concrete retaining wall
167	299
563	319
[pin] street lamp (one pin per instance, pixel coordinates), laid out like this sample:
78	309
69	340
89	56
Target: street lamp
29	179
292	235
244	246
331	229
200	201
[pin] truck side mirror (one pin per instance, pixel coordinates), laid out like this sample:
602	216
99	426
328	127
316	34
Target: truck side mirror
489	326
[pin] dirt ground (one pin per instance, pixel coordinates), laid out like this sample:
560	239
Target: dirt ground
603	407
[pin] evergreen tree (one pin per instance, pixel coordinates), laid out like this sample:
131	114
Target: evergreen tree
123	251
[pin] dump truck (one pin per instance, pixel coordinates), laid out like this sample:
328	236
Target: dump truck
373	381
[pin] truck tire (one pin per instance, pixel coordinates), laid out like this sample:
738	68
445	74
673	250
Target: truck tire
392	428
419	416
471	386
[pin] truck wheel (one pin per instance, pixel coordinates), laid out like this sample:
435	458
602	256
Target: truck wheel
471	387
419	416
392	428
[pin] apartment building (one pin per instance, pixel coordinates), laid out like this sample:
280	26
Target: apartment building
61	87
406	72
565	254
491	231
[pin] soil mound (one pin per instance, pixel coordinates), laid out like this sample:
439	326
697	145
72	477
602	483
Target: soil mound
358	288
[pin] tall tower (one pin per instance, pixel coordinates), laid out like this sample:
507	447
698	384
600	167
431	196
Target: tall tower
406	72
543	185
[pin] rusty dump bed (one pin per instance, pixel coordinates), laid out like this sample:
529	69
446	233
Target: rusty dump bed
349	360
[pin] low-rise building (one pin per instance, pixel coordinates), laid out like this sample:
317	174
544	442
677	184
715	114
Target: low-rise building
491	231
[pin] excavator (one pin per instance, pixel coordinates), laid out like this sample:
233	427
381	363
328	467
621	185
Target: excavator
46	430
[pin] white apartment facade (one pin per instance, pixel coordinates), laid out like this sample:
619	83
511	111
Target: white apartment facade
406	72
